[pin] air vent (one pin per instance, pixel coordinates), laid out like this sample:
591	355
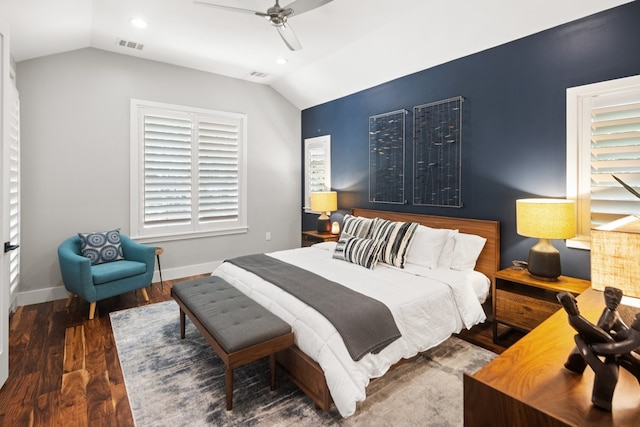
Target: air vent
129	44
258	74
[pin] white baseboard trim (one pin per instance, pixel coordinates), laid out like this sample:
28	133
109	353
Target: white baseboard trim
59	292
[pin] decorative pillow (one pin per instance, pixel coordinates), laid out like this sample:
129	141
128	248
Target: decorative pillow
397	237
426	246
101	246
364	252
338	252
466	251
357	226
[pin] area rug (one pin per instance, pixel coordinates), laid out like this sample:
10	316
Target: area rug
174	382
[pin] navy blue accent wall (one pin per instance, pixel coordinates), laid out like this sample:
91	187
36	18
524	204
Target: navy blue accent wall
514	122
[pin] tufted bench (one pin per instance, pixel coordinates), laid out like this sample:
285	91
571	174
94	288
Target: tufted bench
239	329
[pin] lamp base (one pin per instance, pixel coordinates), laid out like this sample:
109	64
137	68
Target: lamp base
324	225
544	261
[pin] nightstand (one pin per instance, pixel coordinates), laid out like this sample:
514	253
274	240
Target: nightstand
312	237
523	302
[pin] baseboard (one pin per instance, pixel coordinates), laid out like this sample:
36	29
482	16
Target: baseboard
59	292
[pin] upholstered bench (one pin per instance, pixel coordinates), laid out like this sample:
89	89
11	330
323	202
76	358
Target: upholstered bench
239	329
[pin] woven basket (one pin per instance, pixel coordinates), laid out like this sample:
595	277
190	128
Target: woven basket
615	256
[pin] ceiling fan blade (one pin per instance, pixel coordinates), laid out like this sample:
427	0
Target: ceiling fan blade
301	6
289	37
233	9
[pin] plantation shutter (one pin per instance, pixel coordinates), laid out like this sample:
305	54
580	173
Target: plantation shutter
188	172
218	165
615	150
167	170
317	166
14	189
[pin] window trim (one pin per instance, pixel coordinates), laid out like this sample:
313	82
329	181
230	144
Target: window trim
579	102
157	234
325	141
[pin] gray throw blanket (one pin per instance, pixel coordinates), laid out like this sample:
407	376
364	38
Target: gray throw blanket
365	324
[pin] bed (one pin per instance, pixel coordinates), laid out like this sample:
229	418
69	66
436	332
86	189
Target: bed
428	306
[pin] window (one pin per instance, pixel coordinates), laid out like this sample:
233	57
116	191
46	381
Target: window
187	171
317	167
603	139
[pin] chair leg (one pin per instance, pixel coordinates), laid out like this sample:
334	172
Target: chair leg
92	310
144	294
70	299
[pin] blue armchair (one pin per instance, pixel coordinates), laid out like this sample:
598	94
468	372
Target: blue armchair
97	282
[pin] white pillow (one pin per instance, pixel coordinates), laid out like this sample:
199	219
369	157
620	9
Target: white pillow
446	255
466	251
427	245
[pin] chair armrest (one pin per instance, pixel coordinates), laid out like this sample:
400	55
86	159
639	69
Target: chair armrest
135	251
76	270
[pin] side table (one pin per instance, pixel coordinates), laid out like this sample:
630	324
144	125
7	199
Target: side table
523	302
160	251
312	237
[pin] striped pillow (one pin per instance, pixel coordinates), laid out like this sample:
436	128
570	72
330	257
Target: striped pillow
397	237
338	252
357	226
364	252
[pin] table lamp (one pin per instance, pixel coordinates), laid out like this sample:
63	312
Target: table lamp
545	219
324	202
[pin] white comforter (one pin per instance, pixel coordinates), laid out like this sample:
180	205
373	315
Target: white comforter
427	310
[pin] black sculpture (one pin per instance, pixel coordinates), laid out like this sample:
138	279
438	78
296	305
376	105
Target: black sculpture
611	339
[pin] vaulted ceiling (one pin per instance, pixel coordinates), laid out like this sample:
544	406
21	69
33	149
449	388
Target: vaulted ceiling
347	45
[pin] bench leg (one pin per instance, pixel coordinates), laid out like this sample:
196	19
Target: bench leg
228	383
182	325
272	370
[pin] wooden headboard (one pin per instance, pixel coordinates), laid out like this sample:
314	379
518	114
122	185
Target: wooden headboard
488	262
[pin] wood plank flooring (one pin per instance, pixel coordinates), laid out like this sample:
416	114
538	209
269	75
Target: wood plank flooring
64	369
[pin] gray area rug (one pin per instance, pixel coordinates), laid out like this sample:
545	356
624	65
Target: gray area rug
174	382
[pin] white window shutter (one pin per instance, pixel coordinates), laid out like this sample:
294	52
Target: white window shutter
615	150
167	170
188	172
317	167
14	190
218	166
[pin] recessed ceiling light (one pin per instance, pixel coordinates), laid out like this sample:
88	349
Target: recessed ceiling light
281	61
138	22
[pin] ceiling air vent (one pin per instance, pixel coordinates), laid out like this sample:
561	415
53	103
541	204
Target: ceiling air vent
129	44
258	74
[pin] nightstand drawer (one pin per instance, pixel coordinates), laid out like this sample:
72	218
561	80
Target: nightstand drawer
522	311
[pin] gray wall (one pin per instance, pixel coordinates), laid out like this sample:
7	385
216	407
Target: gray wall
75	159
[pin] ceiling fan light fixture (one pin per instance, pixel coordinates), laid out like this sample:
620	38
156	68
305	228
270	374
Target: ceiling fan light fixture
277	16
281	61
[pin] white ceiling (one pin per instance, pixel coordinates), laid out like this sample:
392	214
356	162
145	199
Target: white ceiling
347	45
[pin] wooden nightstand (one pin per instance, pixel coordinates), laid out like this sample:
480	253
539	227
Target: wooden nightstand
312	237
523	302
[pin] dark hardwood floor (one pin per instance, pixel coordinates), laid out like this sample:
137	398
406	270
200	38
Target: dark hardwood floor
64	369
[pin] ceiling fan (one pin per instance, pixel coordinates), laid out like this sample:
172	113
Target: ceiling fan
278	16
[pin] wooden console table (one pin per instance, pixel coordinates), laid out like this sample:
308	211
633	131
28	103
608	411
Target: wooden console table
527	385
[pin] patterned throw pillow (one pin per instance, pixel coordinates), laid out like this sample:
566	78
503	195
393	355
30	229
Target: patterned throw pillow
357	226
338	252
364	252
101	246
397	237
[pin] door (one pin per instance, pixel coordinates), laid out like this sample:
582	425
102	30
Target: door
5	201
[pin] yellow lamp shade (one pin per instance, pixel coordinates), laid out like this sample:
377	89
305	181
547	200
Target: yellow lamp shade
324	201
546	218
